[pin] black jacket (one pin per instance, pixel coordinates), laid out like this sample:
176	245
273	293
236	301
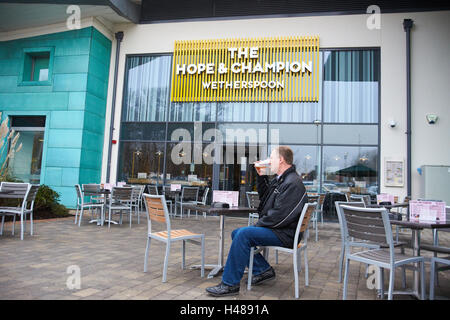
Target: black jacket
281	204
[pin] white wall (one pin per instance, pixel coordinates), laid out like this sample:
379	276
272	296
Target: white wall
430	75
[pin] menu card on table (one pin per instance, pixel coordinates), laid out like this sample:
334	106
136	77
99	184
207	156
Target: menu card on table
175	187
230	197
385	197
427	210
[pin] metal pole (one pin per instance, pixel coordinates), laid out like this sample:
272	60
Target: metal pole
407	25
119	37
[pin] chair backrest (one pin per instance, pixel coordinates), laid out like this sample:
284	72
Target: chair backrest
189	193
152	189
205	195
91	189
32	192
253	199
367	225
121	193
156	209
79	193
321	200
341	219
19	190
355	198
366	200
303	221
136	192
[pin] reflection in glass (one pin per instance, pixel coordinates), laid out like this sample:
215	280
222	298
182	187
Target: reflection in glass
296	133
26	164
351	86
192	111
147	88
141	162
242	111
189	164
150	131
350	134
306	161
350	169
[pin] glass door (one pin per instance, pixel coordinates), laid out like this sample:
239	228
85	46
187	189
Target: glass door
237	172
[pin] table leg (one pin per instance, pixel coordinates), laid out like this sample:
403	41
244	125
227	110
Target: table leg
416	252
217	268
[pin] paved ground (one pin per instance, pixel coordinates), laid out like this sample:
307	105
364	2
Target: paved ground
111	264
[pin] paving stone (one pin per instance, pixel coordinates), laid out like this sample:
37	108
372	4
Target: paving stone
111	264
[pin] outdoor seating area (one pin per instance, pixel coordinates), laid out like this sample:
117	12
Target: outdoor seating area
347	261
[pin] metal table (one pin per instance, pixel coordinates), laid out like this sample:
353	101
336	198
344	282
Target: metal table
222	212
104	192
416	227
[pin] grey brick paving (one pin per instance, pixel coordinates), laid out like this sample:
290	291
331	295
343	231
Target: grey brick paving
111	264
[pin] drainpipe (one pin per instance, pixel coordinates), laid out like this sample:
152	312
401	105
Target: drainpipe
407	26
119	37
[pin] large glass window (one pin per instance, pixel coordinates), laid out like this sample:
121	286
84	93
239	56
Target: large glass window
350	169
26	164
351	86
141	162
335	140
147	88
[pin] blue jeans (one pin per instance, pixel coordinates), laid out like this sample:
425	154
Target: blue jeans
243	240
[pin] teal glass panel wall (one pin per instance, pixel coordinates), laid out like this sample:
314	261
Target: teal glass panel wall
73	100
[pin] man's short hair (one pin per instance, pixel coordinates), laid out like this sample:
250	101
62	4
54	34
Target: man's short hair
286	153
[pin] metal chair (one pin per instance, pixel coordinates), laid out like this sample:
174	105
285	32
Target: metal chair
435	248
343	232
134	202
373	225
156	209
433	269
318	212
253	202
120	196
152	189
81	205
203	202
170	197
188	195
24	191
296	250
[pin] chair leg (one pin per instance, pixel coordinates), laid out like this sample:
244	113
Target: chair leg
295	273
3	222
146	254
344	292
391	283
183	255
250	269
341	262
31	222
422	280
131	213
21	226
76	215
316	228
109	219
276	257
202	270
432	272
80	216
382	283
306	268
14	225
166	262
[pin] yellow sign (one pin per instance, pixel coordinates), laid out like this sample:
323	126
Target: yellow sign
265	69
